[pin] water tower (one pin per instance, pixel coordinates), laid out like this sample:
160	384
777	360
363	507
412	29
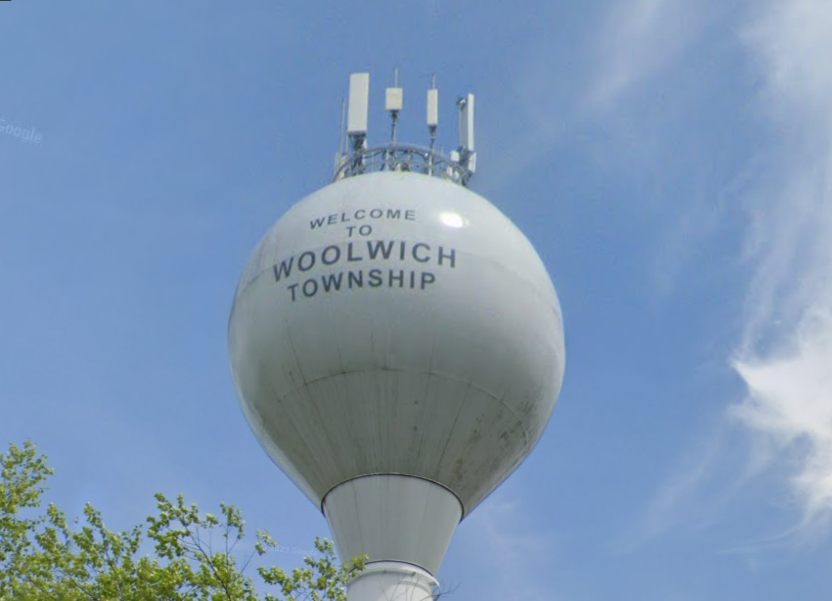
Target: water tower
397	346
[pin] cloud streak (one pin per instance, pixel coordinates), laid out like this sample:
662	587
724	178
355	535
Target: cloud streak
785	358
517	557
639	39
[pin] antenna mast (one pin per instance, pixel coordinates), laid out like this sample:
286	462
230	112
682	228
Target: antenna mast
357	158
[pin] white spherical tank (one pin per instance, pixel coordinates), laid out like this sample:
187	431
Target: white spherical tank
398	348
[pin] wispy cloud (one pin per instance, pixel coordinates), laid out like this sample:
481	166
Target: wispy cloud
638	40
679	502
785	358
670	505
789	405
519	558
785	355
565	85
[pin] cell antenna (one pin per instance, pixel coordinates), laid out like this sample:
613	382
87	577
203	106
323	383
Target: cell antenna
358	111
433	112
393	103
466	152
357	157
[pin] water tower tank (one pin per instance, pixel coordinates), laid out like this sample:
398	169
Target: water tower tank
398	349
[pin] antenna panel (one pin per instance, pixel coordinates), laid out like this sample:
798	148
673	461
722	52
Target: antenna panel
466	122
472	162
433	108
394	99
358	112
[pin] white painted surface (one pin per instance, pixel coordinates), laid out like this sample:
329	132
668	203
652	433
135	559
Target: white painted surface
390	517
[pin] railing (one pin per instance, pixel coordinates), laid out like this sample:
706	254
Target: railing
395	157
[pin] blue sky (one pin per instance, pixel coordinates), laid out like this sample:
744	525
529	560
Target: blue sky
671	161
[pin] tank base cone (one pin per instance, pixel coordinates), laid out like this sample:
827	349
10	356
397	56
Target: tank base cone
391	517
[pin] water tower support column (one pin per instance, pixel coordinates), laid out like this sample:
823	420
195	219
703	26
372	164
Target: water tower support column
392	581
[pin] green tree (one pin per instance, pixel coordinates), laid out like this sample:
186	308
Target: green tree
178	554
